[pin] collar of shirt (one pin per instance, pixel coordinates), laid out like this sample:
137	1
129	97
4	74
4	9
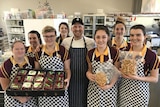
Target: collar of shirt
143	51
30	49
101	54
51	53
20	65
123	44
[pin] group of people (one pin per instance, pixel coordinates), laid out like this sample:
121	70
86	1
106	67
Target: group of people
80	56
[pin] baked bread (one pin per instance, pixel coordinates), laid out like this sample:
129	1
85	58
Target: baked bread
128	66
101	78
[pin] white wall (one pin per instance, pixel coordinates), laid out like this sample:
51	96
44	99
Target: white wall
68	6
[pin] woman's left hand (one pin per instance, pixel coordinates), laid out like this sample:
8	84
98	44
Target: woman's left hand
22	99
130	76
67	83
106	87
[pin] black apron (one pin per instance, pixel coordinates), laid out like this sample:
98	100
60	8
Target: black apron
78	82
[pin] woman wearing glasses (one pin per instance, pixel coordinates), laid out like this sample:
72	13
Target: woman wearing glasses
54	57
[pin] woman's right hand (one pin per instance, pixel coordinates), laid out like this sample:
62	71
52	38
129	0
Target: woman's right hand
22	99
90	76
38	48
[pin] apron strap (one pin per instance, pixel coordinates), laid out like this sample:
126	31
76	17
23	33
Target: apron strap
109	54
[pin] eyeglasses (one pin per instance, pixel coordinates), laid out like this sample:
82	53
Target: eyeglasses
51	36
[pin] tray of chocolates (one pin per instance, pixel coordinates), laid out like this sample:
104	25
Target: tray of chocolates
29	82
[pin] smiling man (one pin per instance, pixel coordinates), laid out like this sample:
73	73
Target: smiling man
78	46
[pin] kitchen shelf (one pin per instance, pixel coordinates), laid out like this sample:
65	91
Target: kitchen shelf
3	41
15	30
91	22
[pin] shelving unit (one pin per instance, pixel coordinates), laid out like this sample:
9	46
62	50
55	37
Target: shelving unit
3	41
91	22
15	30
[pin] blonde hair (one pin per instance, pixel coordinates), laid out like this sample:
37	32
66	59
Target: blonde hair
47	29
120	20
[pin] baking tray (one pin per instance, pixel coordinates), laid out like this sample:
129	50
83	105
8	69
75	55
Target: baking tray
20	87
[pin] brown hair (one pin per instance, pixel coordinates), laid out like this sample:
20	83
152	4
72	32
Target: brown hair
37	34
17	41
47	29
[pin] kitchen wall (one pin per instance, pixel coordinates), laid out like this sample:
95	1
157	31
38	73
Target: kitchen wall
69	6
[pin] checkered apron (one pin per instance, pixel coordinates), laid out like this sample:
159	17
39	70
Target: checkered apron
10	101
97	97
52	63
134	93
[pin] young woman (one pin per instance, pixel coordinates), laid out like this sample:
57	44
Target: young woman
99	96
119	30
134	89
64	32
54	57
8	71
35	41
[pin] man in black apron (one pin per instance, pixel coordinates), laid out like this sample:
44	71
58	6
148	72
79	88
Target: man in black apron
78	45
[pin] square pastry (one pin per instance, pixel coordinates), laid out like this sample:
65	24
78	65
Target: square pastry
29	78
27	85
32	72
18	79
60	74
15	86
37	85
58	85
39	78
48	86
41	73
50	74
49	80
22	72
